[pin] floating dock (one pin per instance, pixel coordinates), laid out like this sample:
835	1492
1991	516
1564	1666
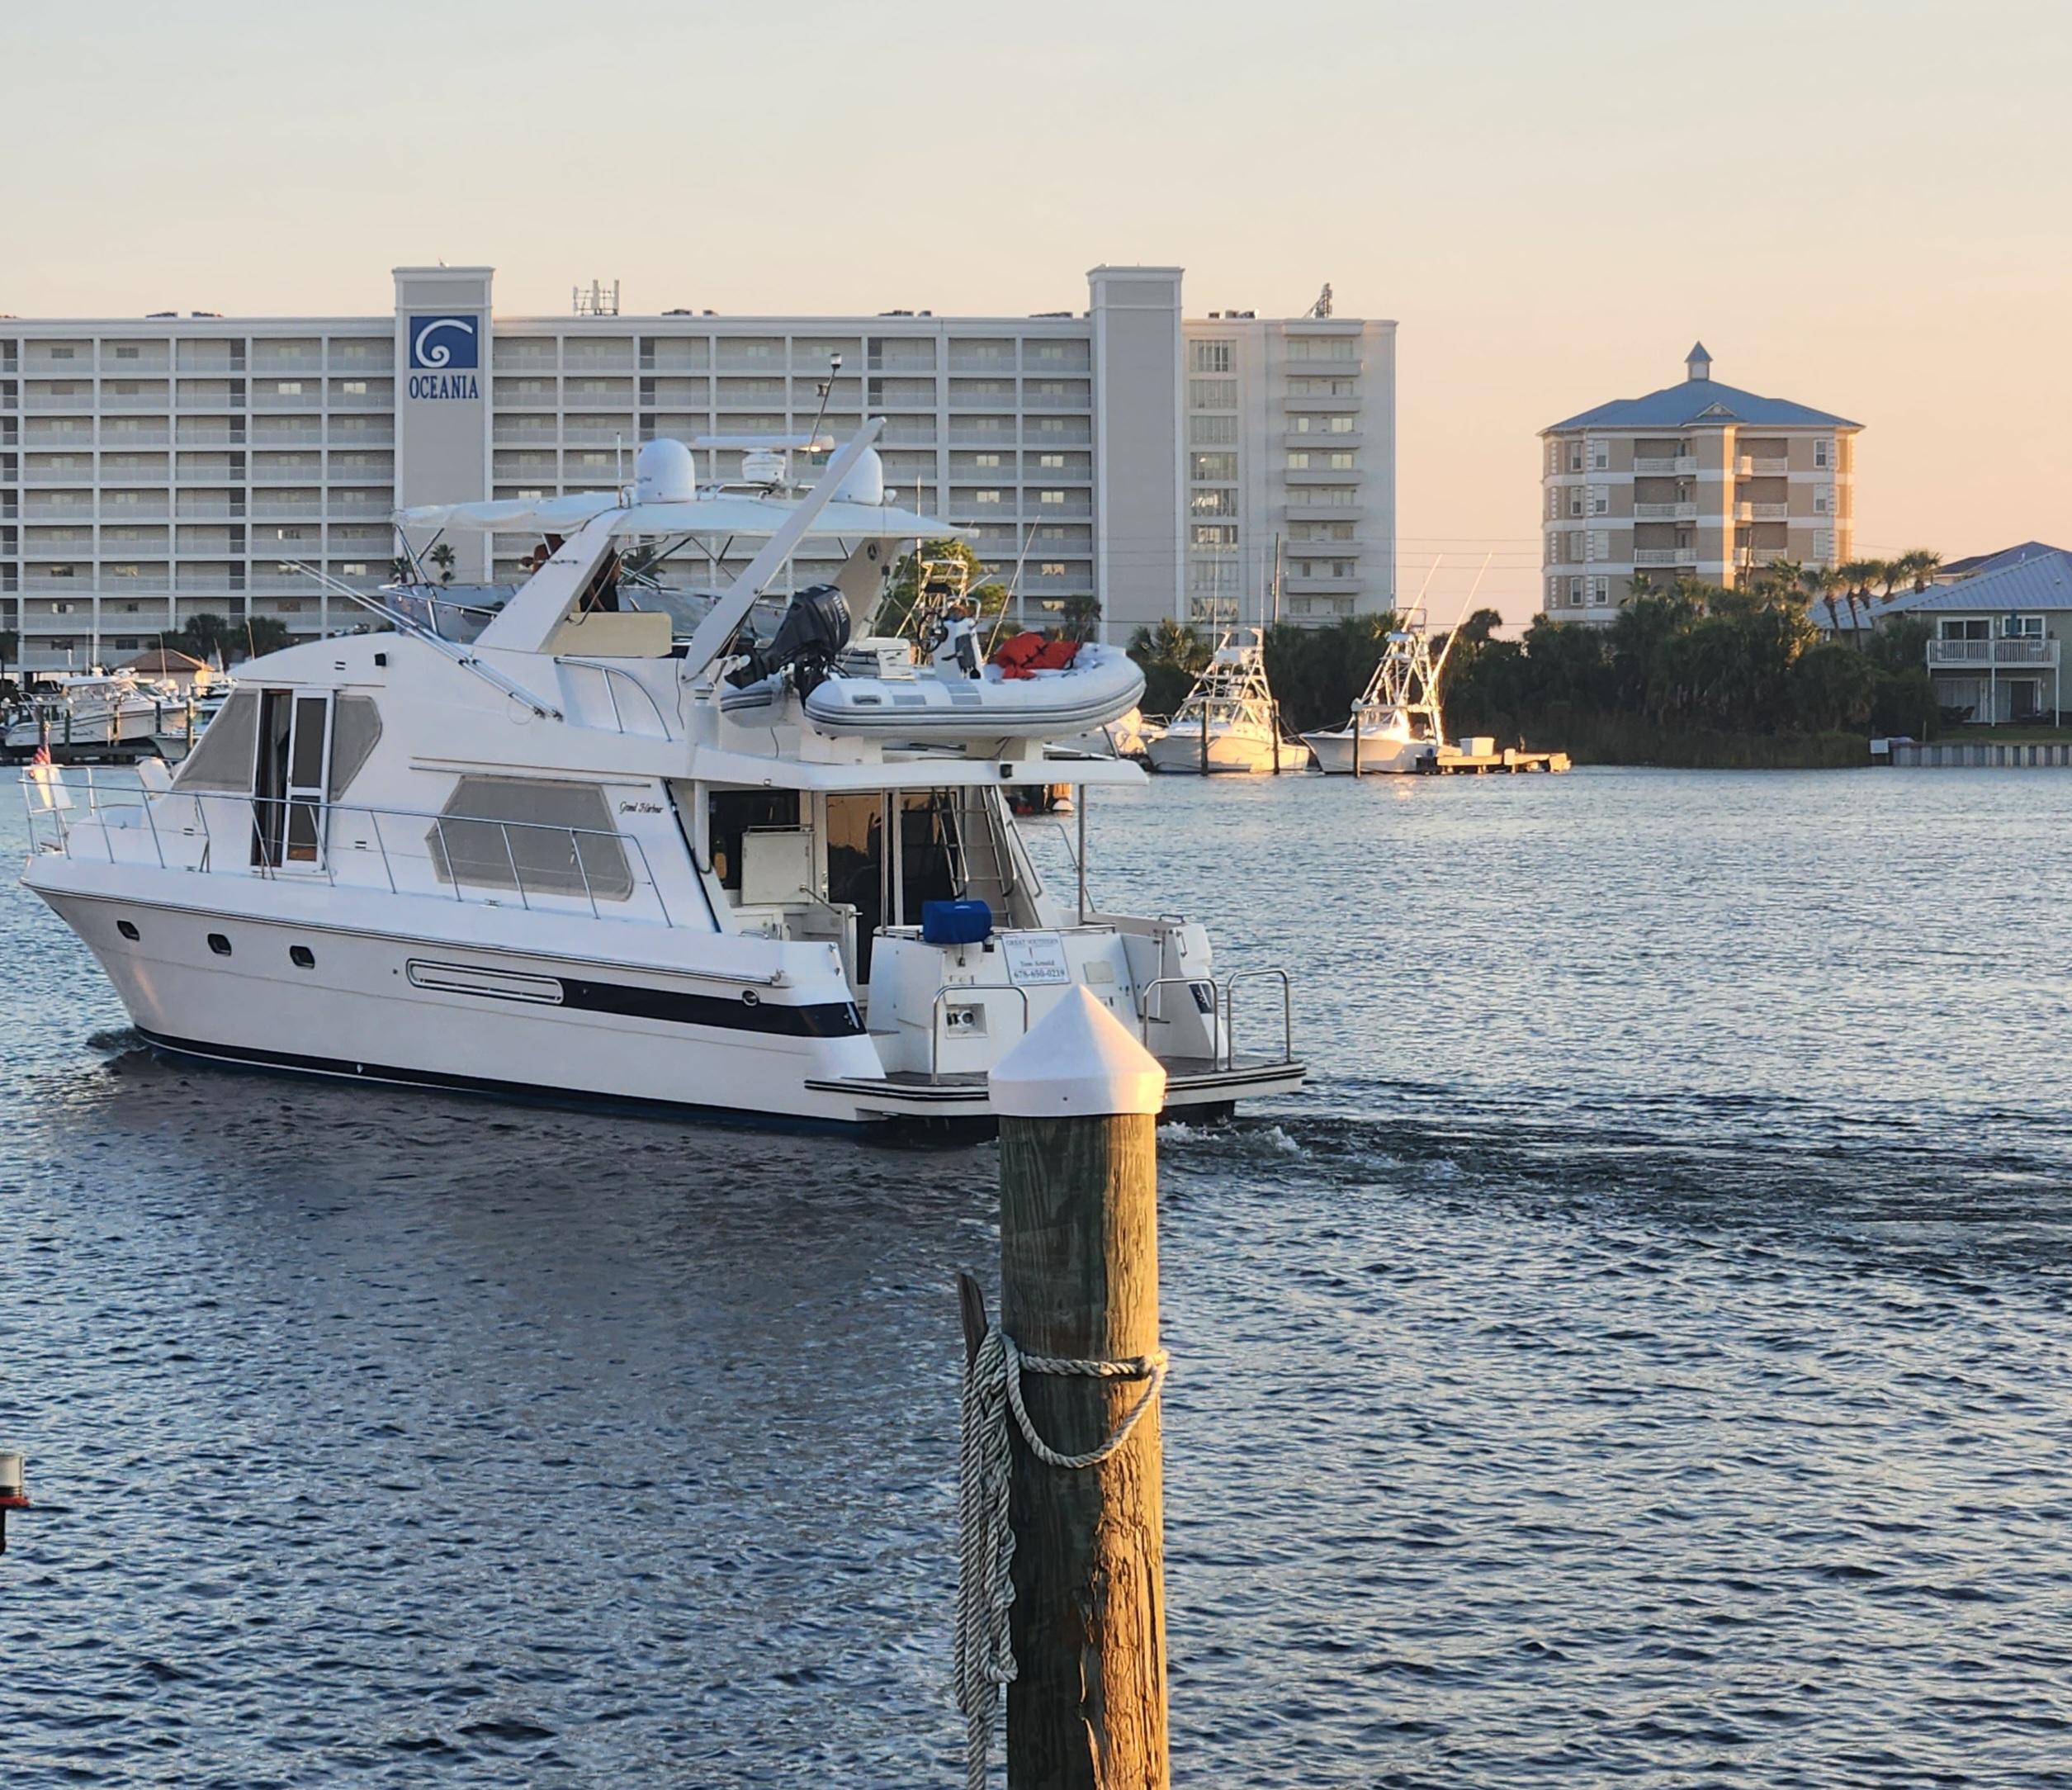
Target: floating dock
1480	758
1999	754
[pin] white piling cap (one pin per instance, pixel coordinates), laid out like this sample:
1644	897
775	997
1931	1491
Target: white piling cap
1078	1061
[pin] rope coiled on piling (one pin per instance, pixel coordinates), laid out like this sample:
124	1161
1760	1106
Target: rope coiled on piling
985	1580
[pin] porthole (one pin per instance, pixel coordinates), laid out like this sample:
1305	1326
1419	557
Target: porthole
220	945
128	929
302	957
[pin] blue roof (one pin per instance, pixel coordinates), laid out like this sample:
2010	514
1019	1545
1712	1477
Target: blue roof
1993	562
2043	581
1701	404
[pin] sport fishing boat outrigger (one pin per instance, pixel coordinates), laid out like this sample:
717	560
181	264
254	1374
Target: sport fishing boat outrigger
543	840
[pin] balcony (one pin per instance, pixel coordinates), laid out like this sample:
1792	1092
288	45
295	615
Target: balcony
1762	512
1654	463
1752	466
1665	512
1981	655
1665	555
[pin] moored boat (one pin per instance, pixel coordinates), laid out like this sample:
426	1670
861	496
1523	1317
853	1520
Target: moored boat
1229	722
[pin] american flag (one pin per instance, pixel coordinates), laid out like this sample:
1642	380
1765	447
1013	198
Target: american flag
41	761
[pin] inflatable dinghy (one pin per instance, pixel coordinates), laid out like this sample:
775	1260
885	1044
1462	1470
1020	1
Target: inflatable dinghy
940	703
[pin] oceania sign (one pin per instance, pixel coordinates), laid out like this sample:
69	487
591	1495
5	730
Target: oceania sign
447	349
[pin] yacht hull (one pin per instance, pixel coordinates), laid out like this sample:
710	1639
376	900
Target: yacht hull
1380	754
1180	753
443	1011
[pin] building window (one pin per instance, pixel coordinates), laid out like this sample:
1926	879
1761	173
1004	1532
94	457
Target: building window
1050	497
1824	454
984	497
1055	463
1341	462
1600	500
1600	592
1213	466
1213	431
354	388
288	388
1214	503
1575	500
124	571
126	354
1053	568
1823	499
1575	457
1323	348
1211	394
63	353
1209	357
1214	534
287	534
1298	463
985	460
354	568
1599	457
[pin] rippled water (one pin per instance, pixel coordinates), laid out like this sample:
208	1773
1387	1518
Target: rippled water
1642	1357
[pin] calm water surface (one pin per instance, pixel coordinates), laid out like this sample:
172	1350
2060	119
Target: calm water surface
1641	1359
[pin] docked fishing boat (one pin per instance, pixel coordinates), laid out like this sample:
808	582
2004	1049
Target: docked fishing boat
185	716
90	714
1397	726
596	853
1229	721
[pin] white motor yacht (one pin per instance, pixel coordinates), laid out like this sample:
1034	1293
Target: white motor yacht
1229	721
593	857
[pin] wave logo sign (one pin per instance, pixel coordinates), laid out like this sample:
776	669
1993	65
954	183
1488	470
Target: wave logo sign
444	344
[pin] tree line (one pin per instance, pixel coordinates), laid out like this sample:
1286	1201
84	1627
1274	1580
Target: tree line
1691	658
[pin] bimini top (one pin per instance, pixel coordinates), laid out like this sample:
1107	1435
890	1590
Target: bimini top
665	498
706	513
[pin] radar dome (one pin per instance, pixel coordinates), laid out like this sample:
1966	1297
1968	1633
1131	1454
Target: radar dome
664	473
865	480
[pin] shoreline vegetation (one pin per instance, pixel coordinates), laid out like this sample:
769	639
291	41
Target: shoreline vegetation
1692	676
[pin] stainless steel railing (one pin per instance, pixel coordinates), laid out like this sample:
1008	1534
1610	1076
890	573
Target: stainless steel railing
66	811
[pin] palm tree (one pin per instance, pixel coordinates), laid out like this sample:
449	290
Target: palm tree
1920	564
444	556
1889	572
1819	582
1858	575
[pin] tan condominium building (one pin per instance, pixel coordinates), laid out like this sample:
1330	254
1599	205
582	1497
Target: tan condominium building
154	469
1698	479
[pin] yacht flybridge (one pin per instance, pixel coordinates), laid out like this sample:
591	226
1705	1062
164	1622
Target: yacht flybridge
554	839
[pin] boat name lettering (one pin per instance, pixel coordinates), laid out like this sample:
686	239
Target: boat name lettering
444	386
640	808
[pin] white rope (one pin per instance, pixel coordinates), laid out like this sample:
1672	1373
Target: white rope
984	1579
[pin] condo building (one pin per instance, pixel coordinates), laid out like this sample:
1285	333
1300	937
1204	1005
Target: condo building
1698	479
159	468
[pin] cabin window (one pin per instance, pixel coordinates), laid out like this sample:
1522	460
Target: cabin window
532	835
128	929
302	957
732	813
220	945
220	763
356	729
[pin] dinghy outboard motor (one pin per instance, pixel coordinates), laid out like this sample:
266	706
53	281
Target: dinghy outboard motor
809	639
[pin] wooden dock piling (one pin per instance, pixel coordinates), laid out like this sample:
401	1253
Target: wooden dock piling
1079	1281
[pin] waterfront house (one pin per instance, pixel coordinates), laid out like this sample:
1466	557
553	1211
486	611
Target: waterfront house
1996	652
162	665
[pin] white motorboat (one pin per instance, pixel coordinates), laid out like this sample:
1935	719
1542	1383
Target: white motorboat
550	862
1396	728
90	712
1229	721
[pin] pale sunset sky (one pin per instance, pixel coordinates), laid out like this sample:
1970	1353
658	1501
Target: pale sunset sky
1866	207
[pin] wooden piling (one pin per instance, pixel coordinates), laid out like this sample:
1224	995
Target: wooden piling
1079	1279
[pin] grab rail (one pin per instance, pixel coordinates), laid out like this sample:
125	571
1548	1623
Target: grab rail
270	845
1287	1013
611	675
935	1016
1146	1019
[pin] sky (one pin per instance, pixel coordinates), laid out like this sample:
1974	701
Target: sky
1865	207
